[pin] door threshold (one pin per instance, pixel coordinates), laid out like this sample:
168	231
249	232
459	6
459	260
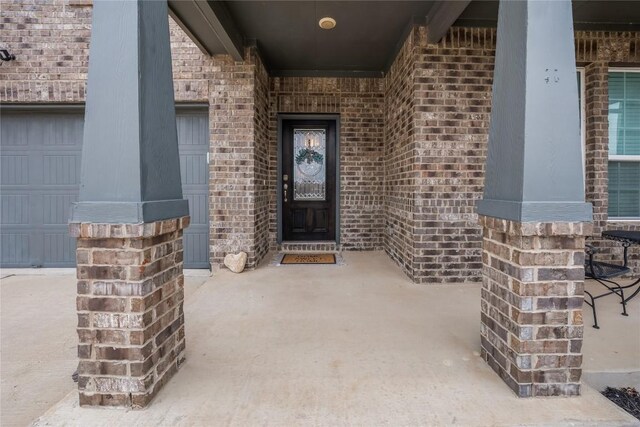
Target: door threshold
309	246
308	242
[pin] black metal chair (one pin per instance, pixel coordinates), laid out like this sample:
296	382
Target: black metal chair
603	272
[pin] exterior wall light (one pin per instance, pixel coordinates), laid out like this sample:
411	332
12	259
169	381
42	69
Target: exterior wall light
6	56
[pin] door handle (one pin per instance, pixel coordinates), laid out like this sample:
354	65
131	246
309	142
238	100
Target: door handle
285	178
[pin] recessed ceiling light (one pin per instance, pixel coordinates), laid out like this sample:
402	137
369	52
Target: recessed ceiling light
327	23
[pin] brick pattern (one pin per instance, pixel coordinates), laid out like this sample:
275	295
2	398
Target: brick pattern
46	69
452	88
360	103
532	296
232	160
51	44
611	46
130	310
262	157
399	158
424	125
597	140
438	111
596	160
239	170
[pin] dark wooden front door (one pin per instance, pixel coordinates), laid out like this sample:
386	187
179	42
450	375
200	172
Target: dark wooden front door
308	180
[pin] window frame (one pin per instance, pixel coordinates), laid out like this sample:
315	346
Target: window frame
583	124
619	157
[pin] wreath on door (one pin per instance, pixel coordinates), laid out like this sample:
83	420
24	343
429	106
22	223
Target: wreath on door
309	155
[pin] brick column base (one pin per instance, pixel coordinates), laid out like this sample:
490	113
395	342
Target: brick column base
531	320
130	310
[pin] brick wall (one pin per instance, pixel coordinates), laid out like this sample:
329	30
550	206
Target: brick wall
262	158
130	310
598	51
51	59
425	125
360	103
232	159
453	107
531	299
399	158
438	110
51	42
442	127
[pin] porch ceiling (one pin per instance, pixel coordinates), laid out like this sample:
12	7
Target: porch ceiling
290	38
587	14
368	33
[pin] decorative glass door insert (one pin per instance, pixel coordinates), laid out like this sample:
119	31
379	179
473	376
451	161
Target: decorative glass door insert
309	171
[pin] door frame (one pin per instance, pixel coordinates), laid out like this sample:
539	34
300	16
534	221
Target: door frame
328	117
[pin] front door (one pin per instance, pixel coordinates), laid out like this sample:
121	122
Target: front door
308	180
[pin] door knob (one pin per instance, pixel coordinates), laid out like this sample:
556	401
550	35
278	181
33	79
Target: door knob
285	187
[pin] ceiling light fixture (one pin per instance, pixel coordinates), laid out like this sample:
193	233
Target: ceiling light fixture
327	23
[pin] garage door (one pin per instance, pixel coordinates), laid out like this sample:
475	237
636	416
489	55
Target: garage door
193	141
39	178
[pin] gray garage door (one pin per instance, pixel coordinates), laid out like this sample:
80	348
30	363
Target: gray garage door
39	177
193	139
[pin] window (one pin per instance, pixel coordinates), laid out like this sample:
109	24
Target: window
624	144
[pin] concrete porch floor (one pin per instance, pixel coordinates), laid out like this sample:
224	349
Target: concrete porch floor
306	345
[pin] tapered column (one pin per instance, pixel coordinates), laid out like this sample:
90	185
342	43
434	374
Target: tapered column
131	213
130	166
533	213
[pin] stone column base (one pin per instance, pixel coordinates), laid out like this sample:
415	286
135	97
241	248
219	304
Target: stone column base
130	310
531	320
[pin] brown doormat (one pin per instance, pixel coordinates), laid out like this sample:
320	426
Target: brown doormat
308	259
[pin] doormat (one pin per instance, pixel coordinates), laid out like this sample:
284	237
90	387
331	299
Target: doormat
308	259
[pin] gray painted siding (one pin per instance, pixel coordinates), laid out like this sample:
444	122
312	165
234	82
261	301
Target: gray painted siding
39	180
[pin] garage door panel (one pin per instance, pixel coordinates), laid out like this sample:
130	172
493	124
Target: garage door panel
15	249
40	157
193	129
198	208
15	169
14	209
56	208
193	169
14	131
196	253
59	249
66	131
61	169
